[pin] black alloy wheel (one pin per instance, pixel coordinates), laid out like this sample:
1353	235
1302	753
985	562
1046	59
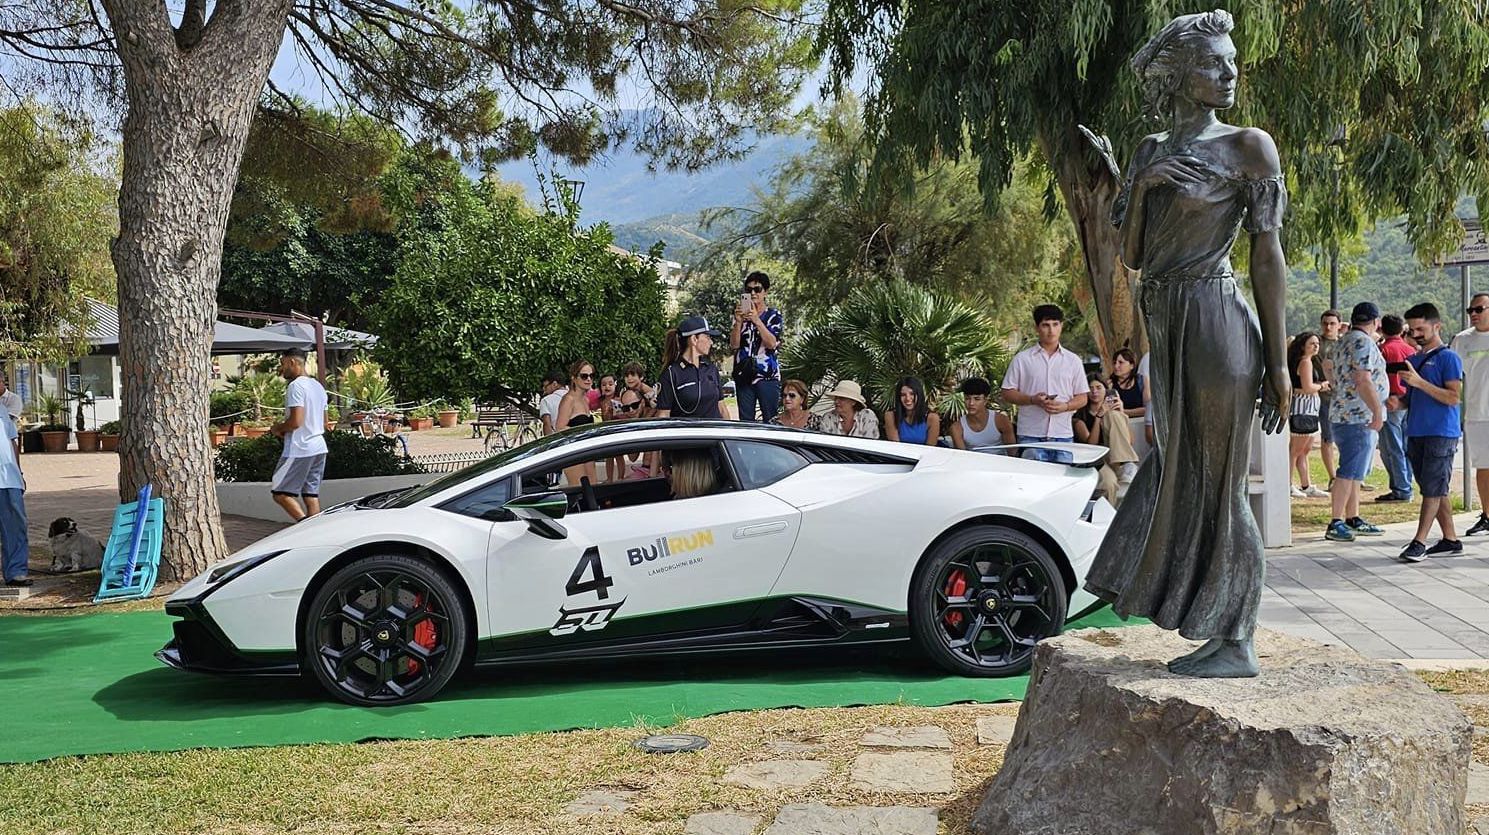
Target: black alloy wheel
983	597
384	630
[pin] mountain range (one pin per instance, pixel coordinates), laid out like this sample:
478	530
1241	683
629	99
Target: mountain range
643	205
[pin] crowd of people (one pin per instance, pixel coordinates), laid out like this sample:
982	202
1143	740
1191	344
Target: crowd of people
1056	400
1391	384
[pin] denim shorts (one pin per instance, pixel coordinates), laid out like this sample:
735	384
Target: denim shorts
1431	460
1356	442
1048	455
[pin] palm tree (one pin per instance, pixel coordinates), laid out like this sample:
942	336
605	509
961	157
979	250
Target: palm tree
885	331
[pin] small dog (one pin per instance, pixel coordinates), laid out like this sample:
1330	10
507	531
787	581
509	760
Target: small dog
73	550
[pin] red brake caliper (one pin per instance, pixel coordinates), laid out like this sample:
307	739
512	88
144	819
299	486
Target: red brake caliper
956	586
424	635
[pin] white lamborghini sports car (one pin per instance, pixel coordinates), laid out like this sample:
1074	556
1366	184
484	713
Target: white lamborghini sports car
747	537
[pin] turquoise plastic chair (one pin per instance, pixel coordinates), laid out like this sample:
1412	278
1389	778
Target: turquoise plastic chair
131	561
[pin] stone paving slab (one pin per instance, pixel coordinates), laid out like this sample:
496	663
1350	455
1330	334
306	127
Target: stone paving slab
601	802
1360	596
721	823
817	819
772	775
910	772
1478	784
995	730
924	736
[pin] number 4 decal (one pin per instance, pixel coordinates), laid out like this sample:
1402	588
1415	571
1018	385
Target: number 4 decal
601	583
587	618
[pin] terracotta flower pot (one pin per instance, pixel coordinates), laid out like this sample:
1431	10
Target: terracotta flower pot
109	443
54	441
449	418
217	435
87	440
330	424
251	432
420	423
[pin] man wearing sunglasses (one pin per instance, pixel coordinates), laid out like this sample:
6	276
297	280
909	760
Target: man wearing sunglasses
1472	346
755	338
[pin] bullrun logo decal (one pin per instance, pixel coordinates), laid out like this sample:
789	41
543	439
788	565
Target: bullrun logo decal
671	546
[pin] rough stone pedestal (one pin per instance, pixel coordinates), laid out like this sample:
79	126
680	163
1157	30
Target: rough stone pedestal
1323	742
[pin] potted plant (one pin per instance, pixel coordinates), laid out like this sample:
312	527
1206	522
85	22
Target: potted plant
216	434
54	437
449	416
253	428
109	436
88	440
333	417
226	407
421	418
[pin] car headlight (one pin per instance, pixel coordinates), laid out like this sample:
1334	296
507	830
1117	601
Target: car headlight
223	573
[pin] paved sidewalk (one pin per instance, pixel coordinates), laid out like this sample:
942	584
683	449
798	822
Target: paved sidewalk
1358	594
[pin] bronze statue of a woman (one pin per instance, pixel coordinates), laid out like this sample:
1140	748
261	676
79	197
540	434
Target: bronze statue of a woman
1184	549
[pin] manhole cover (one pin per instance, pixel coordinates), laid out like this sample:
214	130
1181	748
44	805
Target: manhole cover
671	743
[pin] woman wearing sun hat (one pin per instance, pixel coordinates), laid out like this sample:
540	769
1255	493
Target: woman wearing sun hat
850	414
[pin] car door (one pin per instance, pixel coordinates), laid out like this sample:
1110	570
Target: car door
636	572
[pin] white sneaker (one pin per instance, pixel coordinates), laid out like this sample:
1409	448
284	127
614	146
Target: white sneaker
1297	494
1314	493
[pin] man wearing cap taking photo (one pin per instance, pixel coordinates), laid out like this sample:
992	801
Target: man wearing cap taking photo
690	383
1357	413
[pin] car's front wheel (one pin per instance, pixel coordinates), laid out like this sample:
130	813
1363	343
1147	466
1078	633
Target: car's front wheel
983	597
384	630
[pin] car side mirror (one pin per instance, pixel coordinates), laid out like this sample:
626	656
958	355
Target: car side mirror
541	512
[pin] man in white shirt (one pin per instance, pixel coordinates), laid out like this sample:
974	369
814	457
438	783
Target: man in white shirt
303	461
1472	346
553	393
15	551
1047	383
10	402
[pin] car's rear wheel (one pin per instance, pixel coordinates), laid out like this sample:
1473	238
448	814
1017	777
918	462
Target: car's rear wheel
983	597
384	630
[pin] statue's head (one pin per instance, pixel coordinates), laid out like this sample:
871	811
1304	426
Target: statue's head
1192	57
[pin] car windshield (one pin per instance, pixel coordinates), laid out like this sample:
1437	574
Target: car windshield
477	470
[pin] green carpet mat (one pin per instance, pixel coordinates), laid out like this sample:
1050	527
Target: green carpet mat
90	684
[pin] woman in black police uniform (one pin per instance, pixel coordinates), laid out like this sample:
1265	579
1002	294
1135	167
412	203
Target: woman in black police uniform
690	383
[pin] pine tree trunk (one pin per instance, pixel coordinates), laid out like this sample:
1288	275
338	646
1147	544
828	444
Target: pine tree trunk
191	97
1089	191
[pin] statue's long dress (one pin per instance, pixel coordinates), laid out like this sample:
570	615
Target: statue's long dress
1184	549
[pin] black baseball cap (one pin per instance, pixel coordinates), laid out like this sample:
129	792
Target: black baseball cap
1364	312
694	325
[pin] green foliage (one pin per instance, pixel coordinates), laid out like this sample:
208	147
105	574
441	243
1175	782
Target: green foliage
57	216
261	390
364	387
112	427
886	331
489	294
348	455
1381	269
53	407
839	228
1406	81
229	406
54	427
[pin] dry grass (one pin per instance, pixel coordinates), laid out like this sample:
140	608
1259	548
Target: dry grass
510	785
505	784
74	596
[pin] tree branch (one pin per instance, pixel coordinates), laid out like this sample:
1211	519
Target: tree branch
193	21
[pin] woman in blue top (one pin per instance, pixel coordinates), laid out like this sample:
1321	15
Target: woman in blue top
911	420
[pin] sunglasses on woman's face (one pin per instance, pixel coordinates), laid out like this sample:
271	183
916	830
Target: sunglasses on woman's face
791	394
586	375
755	289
